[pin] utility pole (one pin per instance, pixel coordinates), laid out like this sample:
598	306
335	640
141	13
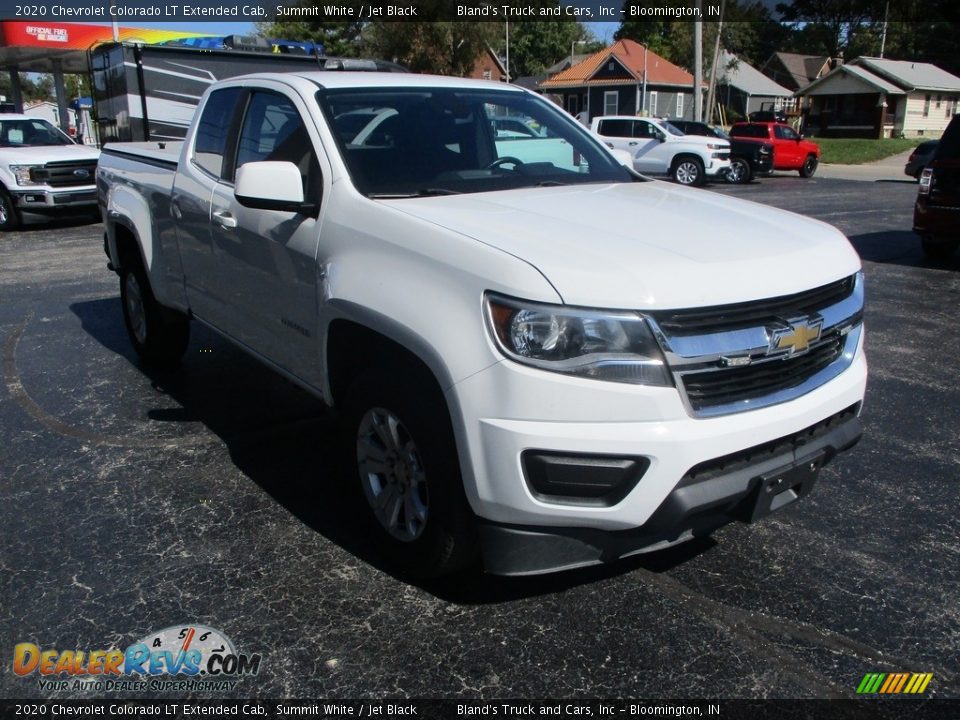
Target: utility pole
698	66
643	98
507	63
883	37
711	93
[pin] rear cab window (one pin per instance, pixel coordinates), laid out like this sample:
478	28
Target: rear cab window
213	131
750	131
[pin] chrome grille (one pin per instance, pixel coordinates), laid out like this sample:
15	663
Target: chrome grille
722	360
707	389
730	317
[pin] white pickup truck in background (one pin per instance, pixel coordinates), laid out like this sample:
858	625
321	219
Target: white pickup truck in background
658	148
43	171
537	353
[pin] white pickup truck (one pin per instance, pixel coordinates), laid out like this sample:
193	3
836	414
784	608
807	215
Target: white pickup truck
659	148
43	171
538	354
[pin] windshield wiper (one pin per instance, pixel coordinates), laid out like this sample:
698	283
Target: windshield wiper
423	192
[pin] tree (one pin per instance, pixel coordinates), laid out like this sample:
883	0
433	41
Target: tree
535	46
749	31
442	48
831	27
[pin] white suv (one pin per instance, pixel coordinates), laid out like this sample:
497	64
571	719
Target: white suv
658	148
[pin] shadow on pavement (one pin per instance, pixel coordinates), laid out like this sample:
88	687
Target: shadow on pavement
290	445
898	247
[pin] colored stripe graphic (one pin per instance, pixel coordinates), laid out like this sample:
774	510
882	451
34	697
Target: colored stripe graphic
894	683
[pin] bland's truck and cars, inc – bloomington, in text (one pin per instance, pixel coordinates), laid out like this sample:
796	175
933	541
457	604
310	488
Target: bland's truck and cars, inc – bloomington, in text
540	356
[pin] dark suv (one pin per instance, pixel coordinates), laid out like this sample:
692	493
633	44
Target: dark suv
747	159
936	215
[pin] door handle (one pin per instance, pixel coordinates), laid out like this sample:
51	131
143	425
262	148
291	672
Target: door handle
632	143
224	219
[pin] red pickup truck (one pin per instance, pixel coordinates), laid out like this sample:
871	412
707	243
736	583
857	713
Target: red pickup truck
791	151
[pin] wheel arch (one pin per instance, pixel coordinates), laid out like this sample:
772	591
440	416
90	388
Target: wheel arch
685	155
361	341
124	244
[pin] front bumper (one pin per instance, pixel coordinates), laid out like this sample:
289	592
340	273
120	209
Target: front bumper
717	167
744	486
508	410
48	200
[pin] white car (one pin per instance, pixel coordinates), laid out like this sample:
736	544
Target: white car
658	148
43	171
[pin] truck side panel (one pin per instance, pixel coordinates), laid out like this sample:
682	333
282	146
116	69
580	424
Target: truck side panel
135	192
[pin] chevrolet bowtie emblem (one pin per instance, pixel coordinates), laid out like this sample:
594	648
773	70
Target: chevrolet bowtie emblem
797	338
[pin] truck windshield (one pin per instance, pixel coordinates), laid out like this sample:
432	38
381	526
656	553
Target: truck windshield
408	142
30	133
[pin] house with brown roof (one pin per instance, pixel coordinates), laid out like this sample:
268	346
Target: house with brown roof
794	71
624	79
488	66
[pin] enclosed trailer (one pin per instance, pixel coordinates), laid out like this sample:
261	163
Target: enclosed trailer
149	92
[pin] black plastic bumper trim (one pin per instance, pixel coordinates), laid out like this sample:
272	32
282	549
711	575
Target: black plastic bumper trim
696	507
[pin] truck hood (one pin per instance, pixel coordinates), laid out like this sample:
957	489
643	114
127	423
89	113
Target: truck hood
40	154
647	245
699	140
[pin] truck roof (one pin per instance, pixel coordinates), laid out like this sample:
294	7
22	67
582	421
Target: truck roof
349	79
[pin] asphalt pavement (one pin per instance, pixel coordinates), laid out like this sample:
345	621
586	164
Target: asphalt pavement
132	501
889	169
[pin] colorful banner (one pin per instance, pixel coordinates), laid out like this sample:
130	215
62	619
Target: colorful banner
78	36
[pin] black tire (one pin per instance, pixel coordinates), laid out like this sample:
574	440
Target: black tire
688	170
9	216
809	166
740	171
158	334
411	472
938	249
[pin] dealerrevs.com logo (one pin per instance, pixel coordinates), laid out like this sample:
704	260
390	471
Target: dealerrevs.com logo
177	658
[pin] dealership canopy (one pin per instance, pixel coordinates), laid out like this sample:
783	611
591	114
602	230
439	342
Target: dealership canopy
58	48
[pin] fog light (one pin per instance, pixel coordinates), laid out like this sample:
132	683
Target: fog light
597	480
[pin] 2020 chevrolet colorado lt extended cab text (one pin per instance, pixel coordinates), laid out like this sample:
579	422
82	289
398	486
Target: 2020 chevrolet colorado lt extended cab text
537	353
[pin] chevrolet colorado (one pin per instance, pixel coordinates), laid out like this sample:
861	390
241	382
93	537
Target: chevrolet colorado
540	356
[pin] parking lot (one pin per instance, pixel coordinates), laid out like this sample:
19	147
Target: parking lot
132	501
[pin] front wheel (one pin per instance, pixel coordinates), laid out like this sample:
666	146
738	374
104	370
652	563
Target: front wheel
809	166
158	334
739	172
406	460
9	217
688	171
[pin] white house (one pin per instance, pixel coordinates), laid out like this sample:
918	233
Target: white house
876	97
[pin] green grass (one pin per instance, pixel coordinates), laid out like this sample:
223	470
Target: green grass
855	151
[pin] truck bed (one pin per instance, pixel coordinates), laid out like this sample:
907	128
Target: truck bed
166	153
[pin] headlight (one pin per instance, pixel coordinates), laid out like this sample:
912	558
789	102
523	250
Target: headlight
22	174
600	344
718	146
